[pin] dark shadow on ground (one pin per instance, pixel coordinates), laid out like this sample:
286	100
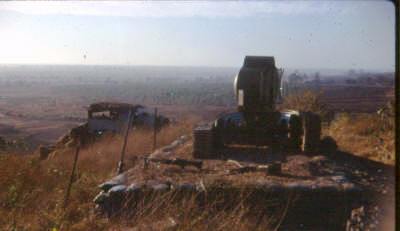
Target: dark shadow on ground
354	160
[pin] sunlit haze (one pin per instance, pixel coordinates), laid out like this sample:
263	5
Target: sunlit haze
326	34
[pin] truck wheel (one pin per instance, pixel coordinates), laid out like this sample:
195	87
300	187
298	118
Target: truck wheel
311	132
203	143
295	131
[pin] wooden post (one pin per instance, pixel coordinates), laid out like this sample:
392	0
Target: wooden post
120	168
71	178
155	130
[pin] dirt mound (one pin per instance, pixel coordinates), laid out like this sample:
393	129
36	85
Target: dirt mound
315	180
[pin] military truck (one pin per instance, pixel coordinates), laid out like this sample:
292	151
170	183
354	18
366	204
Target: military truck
111	118
257	122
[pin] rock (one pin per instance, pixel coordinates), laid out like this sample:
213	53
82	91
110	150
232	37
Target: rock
118	180
167	150
101	198
117	190
160	187
133	188
114	202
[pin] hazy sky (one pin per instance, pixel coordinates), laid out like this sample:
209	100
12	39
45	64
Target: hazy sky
323	34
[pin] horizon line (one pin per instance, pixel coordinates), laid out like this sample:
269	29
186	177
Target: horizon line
192	66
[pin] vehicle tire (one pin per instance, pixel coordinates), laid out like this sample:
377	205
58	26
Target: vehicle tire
311	132
203	143
295	132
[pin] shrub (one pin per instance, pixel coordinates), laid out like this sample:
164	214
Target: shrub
370	135
306	101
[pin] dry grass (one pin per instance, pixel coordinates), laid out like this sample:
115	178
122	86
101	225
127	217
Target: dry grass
305	101
165	213
369	135
366	135
32	192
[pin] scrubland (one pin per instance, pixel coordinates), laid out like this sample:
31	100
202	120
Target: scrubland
370	135
367	135
32	191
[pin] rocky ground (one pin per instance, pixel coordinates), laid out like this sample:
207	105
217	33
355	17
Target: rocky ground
377	182
336	179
